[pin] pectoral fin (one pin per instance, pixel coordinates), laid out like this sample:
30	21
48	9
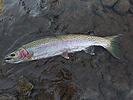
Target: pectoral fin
65	54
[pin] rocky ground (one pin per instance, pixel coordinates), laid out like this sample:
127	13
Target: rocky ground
82	77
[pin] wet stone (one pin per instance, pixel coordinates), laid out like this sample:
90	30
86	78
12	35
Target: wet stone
122	6
124	27
132	1
129	71
107	90
129	56
99	11
43	96
94	7
23	86
108	3
131	8
91	93
116	71
7	97
94	62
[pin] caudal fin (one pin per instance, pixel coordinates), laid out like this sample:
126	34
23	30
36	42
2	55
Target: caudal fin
114	47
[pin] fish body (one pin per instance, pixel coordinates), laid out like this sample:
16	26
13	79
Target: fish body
57	45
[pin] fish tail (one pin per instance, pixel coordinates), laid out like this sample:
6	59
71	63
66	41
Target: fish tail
114	47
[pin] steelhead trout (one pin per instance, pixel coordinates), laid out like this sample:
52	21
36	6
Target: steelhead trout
62	45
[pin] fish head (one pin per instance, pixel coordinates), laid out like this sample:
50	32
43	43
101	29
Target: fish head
18	55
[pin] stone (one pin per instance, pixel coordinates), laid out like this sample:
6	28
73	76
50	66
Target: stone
131	8
99	11
7	97
108	3
23	86
107	90
129	56
124	28
122	6
116	72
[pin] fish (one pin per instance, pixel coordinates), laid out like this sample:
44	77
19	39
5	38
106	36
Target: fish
62	45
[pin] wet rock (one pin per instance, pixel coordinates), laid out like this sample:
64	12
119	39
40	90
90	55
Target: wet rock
121	85
44	96
108	3
124	27
106	29
76	16
122	6
132	1
99	11
91	93
107	90
82	56
94	62
94	8
116	71
129	71
45	23
131	8
23	86
119	79
129	56
98	21
7	97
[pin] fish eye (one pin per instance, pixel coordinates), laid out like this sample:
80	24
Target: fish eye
12	54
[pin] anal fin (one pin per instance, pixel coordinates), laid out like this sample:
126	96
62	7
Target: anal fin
89	50
65	54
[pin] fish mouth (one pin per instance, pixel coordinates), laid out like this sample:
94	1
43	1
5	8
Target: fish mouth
12	60
7	59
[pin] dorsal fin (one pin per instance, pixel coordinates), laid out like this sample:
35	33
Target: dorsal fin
59	32
91	32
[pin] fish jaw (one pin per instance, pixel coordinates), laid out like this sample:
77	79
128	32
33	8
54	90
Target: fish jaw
12	60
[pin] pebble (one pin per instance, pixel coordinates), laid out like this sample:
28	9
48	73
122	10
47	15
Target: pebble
122	6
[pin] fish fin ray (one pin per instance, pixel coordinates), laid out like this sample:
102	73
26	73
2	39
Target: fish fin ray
59	32
114	47
91	32
65	54
89	50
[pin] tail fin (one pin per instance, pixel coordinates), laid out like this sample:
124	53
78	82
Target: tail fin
114	47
